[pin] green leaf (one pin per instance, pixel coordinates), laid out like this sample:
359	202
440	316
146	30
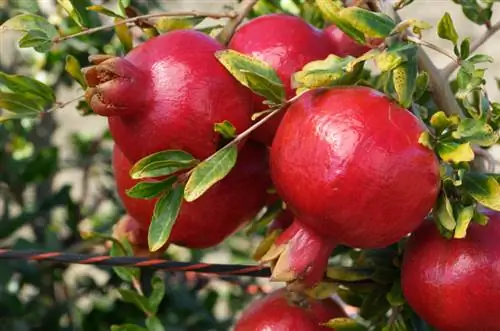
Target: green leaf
124	34
167	24
480	58
371	24
73	68
389	60
476	132
421	85
19	104
209	172
164	216
455	152
255	74
331	71
38	32
465	49
483	188
127	327
67	5
105	11
464	218
404	79
150	190
344	324
123	4
443	212
446	29
135	298
348	274
395	295
415	24
154	324
425	140
36	39
439	121
157	293
225	129
28	86
125	273
330	10
162	163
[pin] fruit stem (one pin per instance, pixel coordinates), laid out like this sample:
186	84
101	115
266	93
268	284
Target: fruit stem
227	32
192	13
450	68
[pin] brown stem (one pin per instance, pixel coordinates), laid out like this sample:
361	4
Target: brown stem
192	13
227	32
452	66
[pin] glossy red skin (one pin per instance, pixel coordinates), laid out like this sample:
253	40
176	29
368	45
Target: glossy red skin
277	313
343	45
186	92
285	42
211	218
454	285
348	164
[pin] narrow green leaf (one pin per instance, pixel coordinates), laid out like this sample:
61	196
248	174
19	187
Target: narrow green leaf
135	298
465	49
395	295
19	104
157	293
73	68
415	24
425	140
476	132
348	274
127	327
484	189
125	273
29	22
105	11
480	58
444	212
167	24
162	163
255	74
455	152
421	85
373	25
331	71
124	34
446	29
151	189
404	79
225	129
330	10
344	324
389	60
154	324
36	39
164	216
67	5
20	84
464	218
209	172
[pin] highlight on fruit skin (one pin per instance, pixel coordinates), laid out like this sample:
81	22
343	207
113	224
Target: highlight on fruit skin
283	310
168	93
454	284
218	213
286	43
348	164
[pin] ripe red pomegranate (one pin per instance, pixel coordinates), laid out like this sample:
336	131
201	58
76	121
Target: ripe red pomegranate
208	220
343	45
283	311
285	42
168	93
454	285
348	164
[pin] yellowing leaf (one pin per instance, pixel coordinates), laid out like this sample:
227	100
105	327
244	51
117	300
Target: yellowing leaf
455	152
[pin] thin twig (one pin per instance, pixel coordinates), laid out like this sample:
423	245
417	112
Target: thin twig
59	105
192	13
433	47
452	66
227	32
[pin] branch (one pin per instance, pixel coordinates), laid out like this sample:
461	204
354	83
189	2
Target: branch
192	13
450	68
227	32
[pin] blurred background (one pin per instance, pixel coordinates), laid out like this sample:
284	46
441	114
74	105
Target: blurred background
55	181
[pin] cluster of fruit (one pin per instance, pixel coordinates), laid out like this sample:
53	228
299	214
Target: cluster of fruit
346	161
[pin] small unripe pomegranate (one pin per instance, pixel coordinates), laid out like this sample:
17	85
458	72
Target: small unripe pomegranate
343	45
168	93
219	212
348	164
283	311
286	43
454	285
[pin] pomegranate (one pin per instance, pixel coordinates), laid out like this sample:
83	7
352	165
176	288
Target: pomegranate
168	93
343	45
282	311
454	284
285	42
208	220
348	164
